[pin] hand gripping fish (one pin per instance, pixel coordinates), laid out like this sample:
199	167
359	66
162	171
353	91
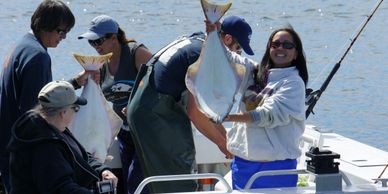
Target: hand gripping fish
213	79
96	124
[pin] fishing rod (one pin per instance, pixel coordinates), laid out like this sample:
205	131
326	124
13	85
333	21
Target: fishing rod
313	96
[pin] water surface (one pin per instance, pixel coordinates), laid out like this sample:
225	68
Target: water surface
355	103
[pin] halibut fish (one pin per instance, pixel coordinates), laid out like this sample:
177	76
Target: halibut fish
213	79
96	124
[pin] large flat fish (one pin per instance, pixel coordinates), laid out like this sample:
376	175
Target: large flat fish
213	79
96	124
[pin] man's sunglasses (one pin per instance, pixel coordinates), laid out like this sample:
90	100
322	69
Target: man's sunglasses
238	47
98	42
286	45
75	108
61	32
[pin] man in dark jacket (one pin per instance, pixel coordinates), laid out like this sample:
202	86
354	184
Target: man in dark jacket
44	155
28	68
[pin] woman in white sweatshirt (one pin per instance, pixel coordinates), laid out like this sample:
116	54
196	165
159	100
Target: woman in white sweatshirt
271	117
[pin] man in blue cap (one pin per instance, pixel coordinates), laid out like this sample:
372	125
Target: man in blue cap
239	30
161	109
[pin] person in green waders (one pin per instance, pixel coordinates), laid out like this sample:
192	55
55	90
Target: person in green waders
161	109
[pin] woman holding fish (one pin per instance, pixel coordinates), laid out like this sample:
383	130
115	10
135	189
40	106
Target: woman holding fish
270	120
117	78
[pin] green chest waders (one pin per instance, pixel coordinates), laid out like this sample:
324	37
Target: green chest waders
162	134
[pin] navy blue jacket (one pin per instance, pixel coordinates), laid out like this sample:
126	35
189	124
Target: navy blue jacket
26	70
41	161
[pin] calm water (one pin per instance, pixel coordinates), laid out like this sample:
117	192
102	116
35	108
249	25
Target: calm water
355	103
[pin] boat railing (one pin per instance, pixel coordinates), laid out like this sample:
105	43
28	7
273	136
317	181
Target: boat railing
286	172
325	183
183	177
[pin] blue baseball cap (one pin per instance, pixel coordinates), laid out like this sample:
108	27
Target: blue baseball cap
99	27
239	29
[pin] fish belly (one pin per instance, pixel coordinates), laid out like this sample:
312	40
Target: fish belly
96	124
213	79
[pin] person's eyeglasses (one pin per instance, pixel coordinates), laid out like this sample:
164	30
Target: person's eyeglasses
238	49
61	32
286	45
98	42
75	108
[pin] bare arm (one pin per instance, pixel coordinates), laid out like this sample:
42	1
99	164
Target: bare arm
142	56
240	117
215	132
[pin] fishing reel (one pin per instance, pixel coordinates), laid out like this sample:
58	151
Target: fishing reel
310	95
311	98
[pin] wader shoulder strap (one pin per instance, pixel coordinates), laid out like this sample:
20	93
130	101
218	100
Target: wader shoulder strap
144	67
156	56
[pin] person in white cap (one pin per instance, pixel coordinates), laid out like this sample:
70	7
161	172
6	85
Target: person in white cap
117	77
44	155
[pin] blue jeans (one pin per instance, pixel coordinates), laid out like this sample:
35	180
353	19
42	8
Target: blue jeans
135	176
4	169
242	170
132	174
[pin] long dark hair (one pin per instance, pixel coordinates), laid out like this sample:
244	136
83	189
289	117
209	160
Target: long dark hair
122	38
267	63
50	14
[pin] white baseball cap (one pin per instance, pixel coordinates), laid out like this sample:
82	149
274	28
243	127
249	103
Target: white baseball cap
59	94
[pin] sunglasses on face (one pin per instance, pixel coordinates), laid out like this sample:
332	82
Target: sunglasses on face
238	49
75	108
98	42
285	44
61	32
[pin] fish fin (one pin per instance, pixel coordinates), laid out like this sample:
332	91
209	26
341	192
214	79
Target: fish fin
214	12
92	62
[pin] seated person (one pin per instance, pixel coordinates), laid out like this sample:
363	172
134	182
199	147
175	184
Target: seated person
44	155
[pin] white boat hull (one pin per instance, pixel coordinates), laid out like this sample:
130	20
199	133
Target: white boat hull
360	163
